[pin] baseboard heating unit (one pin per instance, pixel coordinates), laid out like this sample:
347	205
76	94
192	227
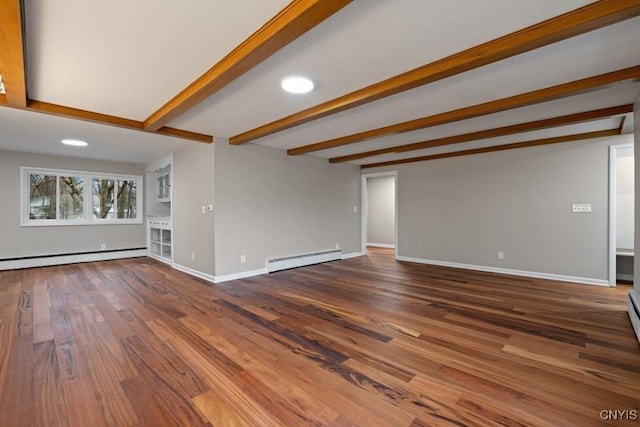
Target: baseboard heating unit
633	305
302	260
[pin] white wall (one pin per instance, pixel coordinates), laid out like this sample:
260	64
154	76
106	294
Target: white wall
381	210
193	187
625	199
17	241
271	205
465	209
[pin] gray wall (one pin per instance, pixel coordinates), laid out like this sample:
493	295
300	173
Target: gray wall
16	241
466	209
270	205
381	210
193	185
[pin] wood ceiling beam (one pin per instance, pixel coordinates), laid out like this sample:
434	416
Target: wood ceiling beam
12	61
104	119
588	18
516	101
494	133
621	127
526	144
293	21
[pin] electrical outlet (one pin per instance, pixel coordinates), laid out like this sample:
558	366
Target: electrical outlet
500	255
193	256
581	207
103	246
203	209
243	259
210	208
337	245
355	209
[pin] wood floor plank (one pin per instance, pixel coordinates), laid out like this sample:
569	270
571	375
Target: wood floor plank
365	341
81	404
149	410
218	411
49	398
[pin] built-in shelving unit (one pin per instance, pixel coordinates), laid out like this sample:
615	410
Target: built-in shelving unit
159	222
160	239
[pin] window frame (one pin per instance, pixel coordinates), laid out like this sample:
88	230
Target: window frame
25	187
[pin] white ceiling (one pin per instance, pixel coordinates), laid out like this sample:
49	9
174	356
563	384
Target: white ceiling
127	59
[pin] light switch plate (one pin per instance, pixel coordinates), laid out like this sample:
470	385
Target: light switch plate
581	208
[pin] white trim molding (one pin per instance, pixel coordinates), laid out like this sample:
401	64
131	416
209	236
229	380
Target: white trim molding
240	275
511	272
195	273
363	207
220	279
613	155
46	261
353	255
87	198
381	245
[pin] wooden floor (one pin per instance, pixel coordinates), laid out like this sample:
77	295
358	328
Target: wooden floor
367	341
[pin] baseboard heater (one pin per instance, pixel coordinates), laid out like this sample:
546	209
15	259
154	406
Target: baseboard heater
302	260
633	305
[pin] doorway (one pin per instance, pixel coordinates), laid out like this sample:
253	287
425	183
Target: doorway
379	210
621	213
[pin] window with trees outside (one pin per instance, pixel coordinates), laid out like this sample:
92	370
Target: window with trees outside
57	197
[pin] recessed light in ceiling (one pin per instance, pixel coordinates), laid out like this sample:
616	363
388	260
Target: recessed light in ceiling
297	84
74	142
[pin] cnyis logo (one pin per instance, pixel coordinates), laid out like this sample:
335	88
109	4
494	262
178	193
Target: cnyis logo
618	414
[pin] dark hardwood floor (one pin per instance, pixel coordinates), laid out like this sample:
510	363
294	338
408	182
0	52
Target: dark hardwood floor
367	341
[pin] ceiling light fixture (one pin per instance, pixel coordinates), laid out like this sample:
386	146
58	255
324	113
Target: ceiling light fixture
74	142
297	84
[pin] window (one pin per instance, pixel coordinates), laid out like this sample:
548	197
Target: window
54	197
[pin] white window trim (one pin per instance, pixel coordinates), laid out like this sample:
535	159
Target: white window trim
88	198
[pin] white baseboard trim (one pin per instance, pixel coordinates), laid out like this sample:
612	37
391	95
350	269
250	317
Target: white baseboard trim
353	255
381	245
220	279
241	275
196	273
534	274
70	259
628	277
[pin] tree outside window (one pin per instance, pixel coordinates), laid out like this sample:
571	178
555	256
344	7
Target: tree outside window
42	196
71	197
103	198
58	197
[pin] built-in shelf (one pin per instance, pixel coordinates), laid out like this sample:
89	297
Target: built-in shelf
160	238
159	225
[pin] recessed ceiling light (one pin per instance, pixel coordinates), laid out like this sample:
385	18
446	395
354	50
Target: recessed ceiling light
297	84
74	142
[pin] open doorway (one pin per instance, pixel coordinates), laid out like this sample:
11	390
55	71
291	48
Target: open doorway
621	213
379	210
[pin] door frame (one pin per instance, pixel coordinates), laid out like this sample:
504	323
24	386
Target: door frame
613	155
364	211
